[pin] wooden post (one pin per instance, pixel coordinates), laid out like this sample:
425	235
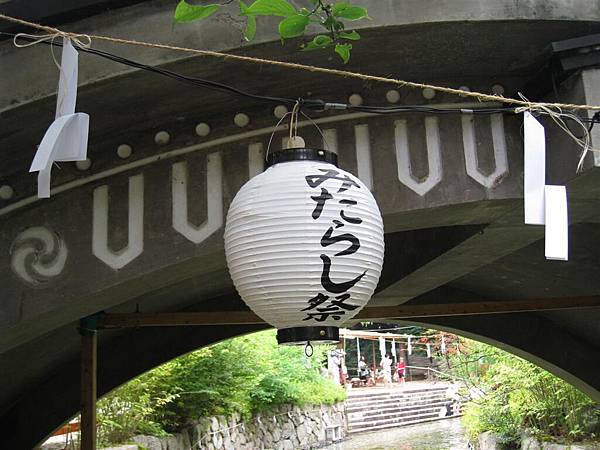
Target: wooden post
88	388
374	364
407	362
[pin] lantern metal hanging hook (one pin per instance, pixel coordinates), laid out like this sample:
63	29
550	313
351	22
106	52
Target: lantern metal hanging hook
273	134
295	141
308	349
292	127
294	119
325	142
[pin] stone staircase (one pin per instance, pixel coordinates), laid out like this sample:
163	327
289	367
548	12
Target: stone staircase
372	409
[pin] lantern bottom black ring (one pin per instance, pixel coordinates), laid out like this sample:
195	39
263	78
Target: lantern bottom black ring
301	154
303	335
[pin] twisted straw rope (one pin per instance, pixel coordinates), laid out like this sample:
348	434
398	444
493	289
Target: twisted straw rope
315	69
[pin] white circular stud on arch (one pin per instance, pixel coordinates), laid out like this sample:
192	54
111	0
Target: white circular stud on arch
428	93
124	151
280	111
392	96
241	120
162	138
304	245
84	164
498	89
355	100
203	129
6	192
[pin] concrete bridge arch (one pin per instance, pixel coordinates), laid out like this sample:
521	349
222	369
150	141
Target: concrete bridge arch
141	225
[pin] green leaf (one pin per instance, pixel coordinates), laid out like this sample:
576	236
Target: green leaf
188	13
349	12
250	30
320	41
350	35
293	26
344	51
271	8
310	46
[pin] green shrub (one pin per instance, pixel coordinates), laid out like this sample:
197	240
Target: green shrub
126	411
520	395
245	375
492	414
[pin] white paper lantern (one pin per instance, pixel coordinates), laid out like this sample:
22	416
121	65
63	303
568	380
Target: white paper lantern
304	245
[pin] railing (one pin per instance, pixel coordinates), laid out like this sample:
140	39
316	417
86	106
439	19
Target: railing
431	371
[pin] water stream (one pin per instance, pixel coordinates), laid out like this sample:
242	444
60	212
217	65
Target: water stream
439	435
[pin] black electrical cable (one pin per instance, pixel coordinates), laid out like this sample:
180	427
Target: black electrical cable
193	80
199	82
593	121
312	104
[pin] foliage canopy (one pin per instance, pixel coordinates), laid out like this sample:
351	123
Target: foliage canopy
332	18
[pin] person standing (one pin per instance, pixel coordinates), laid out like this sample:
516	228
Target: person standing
401	370
386	365
343	368
363	370
334	366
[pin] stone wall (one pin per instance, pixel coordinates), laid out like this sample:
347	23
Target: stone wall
489	441
285	428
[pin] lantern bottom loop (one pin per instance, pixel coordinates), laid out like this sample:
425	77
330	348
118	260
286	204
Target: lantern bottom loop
304	335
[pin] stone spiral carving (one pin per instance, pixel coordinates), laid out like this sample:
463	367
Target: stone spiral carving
38	255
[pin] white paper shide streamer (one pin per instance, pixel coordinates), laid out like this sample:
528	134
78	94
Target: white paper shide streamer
535	170
66	138
544	204
304	246
382	346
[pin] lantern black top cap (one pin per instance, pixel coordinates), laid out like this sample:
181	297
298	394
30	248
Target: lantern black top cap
301	154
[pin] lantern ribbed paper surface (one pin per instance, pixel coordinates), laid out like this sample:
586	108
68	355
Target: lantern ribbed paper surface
304	245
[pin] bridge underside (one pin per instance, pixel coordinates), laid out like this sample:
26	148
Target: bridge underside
449	187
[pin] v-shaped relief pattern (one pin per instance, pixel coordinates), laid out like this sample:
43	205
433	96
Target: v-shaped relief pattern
434	156
364	140
214	200
135	241
499	148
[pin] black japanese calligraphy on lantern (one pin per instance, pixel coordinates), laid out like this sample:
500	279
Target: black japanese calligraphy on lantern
355	220
320	199
331	174
329	285
329	239
335	310
335	301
